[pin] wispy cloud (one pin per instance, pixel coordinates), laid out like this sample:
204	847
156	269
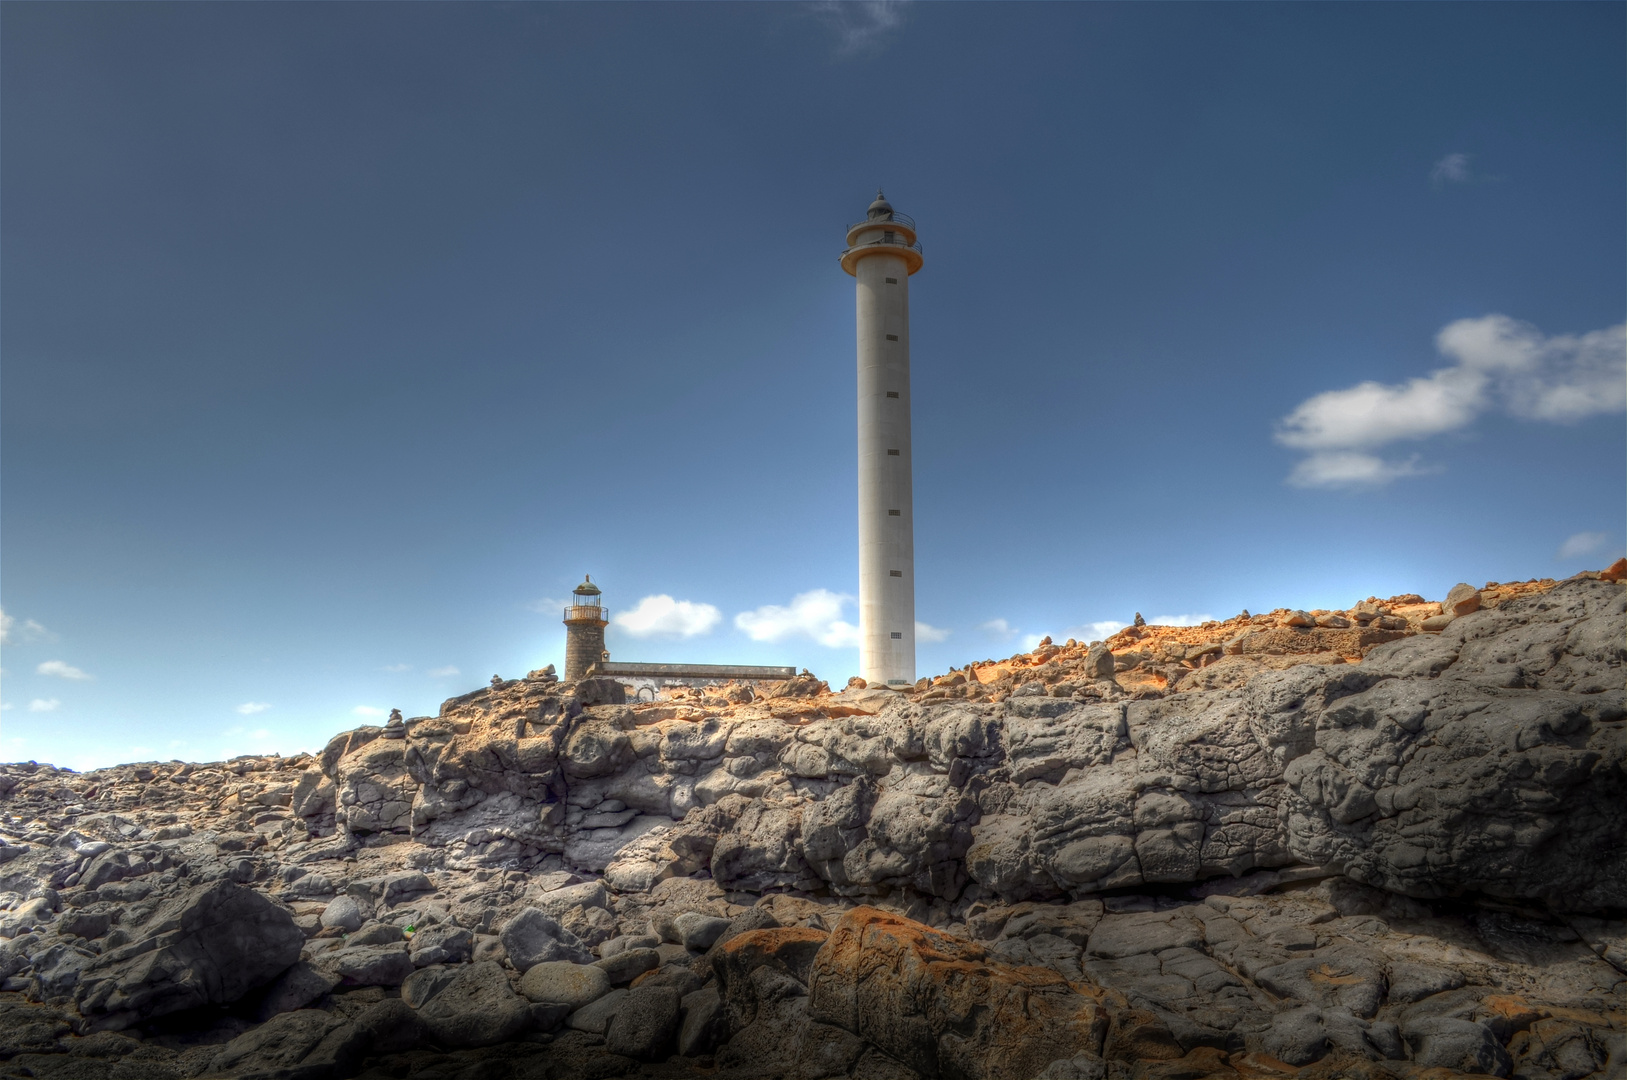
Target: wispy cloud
1451	169
1497	363
1582	545
998	627
862	27
662	616
928	632
1180	620
44	705
548	605
29	633
249	708
60	670
369	710
1094	631
816	614
443	672
397	668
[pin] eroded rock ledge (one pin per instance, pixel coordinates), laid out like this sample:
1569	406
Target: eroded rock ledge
1370	849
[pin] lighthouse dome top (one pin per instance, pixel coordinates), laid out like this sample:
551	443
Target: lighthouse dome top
587	588
881	209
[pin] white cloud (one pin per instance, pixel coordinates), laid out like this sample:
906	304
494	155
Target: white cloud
1180	620
1095	631
62	671
1451	169
397	668
662	615
861	26
443	672
44	705
816	614
1582	544
928	632
1031	641
29	633
369	710
998	627
1347	468
549	605
249	708
1497	363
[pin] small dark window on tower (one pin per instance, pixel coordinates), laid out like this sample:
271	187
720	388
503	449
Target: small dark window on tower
892	337
897	636
895	573
892	453
892	393
892	281
892	513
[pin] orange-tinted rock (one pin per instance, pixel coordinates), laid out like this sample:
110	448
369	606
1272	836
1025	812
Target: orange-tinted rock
937	1003
1616	571
757	965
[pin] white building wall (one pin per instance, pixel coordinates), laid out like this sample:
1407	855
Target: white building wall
886	501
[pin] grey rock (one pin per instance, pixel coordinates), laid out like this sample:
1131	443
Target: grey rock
303	1045
294	989
1446	1043
565	983
390	1026
595	1017
703	1024
1126	935
476	1008
209	945
646	1023
1078	1067
441	944
616	945
375	933
532	938
628	965
422	985
368	965
1296	1036
346	913
1414	982
697	931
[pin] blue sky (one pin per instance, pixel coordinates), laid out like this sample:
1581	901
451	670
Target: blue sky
339	341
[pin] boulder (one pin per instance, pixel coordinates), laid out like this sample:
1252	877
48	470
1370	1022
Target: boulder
532	938
940	1003
368	965
304	1045
646	1023
703	1024
563	982
347	913
477	1007
625	966
698	931
295	988
441	944
210	945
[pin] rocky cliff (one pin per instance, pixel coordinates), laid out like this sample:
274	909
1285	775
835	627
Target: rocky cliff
1374	842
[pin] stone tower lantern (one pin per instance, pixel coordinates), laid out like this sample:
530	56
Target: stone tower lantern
585	621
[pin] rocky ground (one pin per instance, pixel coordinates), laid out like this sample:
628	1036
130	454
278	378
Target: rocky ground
1383	842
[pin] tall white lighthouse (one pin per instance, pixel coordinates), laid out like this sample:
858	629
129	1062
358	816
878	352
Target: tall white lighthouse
882	252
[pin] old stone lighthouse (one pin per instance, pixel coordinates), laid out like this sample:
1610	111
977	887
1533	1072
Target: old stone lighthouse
882	252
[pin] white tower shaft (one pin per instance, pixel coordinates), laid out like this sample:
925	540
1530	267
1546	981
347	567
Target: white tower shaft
881	256
886	501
